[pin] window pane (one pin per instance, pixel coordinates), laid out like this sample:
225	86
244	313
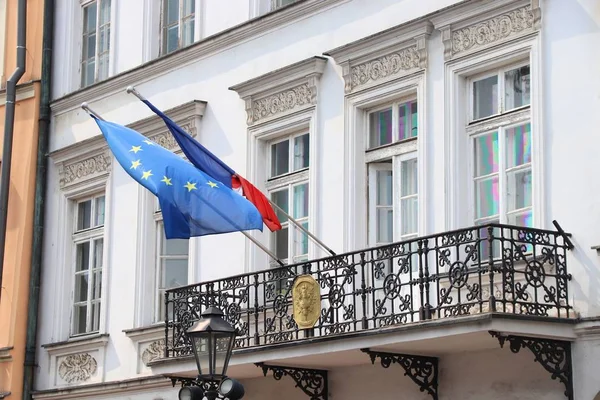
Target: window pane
89	18
99	217
301	201
281	243
174	273
487	197
172	39
384	188
409	177
79	316
301	146
83	256
281	199
189	7
84	215
519	189
88	74
98	247
280	158
81	287
521	219
385	225
486	154
96	316
300	241
485	97
171	11
104	40
409	215
187	36
518	145
517	84
89	47
380	128
104	12
173	247
408	117
97	291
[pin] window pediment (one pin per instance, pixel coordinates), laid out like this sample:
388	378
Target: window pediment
281	92
469	30
385	56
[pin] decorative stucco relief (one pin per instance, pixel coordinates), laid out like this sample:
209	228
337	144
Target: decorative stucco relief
86	168
77	368
282	102
490	31
155	350
167	140
384	67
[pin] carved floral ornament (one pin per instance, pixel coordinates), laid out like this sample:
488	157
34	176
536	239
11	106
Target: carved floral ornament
383	67
282	102
155	350
77	368
490	31
84	169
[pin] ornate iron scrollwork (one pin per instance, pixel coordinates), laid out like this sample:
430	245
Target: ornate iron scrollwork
553	355
209	388
422	370
313	382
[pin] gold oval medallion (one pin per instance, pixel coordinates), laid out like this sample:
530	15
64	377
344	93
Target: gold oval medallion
306	297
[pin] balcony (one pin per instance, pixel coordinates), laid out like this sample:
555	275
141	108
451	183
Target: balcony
484	269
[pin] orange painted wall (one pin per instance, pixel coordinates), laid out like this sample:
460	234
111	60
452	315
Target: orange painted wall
17	257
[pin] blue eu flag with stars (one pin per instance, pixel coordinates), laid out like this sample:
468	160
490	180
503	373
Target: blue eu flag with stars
191	203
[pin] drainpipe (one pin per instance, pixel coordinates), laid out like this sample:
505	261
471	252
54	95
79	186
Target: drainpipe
40	194
9	125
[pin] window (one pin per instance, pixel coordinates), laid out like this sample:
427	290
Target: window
171	264
275	4
501	146
392	172
88	238
178	19
289	189
95	42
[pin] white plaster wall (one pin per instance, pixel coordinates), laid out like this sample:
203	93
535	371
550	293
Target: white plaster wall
570	33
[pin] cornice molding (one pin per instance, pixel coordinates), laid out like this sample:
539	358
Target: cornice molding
385	56
283	91
202	49
91	159
107	388
471	29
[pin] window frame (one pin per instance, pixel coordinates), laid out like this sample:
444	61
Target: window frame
157	311
163	30
500	122
78	237
458	173
289	181
109	52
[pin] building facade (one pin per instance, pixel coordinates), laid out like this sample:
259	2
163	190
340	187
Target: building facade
439	148
15	281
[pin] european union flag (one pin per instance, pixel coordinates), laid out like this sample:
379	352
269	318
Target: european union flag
192	203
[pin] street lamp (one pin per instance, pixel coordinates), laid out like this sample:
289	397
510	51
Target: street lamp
212	341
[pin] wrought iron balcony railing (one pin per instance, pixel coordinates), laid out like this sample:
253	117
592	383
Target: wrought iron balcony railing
489	268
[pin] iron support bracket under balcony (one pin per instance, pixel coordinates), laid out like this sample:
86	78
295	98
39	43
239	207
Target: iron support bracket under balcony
313	382
422	370
553	355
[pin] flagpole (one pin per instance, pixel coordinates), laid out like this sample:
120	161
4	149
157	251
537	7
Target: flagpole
87	109
132	90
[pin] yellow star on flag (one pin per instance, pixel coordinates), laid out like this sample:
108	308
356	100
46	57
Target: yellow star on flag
135	164
167	181
211	184
190	186
147	174
135	149
149	142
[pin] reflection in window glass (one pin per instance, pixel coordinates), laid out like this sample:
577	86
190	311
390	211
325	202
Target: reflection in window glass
485	97
380	128
517	87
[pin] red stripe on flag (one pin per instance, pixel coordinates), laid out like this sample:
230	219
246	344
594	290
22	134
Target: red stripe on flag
257	198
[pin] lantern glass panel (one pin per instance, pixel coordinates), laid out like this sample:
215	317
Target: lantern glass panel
201	351
223	343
